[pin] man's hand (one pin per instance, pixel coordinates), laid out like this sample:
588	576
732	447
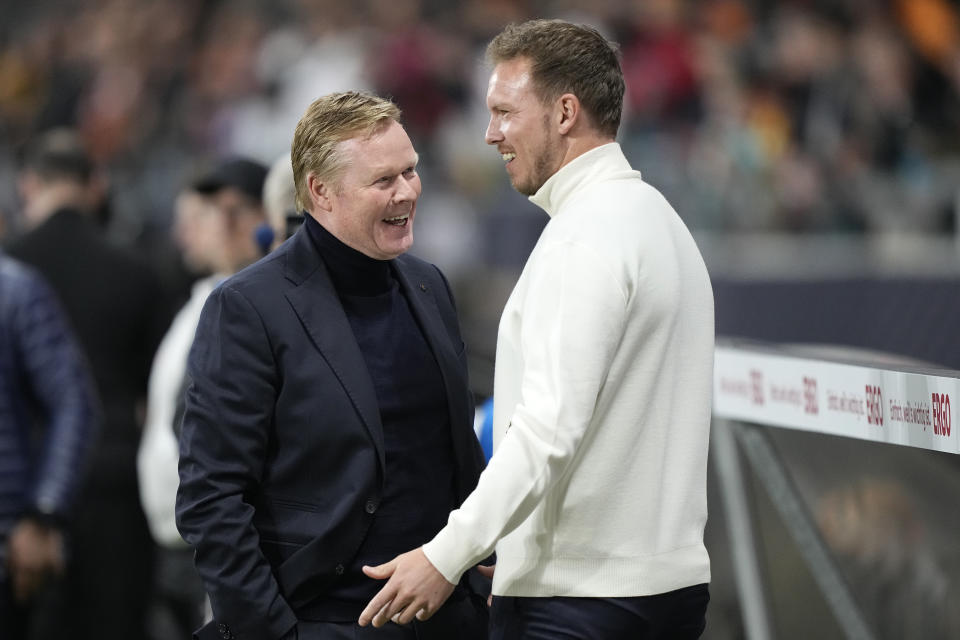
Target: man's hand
35	552
414	588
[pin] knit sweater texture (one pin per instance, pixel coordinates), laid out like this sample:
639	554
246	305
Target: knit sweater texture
602	395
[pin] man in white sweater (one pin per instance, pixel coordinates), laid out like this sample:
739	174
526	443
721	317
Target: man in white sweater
595	498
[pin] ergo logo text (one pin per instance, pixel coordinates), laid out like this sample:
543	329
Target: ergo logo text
941	413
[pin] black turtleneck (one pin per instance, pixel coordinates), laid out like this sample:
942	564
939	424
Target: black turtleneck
418	489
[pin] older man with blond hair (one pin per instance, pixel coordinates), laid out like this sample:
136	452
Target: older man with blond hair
329	423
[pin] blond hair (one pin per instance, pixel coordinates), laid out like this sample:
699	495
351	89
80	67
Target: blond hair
328	121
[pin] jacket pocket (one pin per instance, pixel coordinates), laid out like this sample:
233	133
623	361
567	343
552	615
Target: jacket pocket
278	551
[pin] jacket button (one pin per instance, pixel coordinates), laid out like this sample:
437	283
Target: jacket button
224	631
370	507
339	570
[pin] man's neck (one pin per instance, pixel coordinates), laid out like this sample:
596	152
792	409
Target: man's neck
579	145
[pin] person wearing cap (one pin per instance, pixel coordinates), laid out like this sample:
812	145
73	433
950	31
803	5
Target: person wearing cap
328	423
216	217
118	311
235	189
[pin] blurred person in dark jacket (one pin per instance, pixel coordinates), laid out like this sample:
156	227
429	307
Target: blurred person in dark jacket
48	418
116	306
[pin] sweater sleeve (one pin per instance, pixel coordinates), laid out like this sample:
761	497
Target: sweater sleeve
573	315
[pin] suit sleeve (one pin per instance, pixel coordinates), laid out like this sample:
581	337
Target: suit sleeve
572	322
223	446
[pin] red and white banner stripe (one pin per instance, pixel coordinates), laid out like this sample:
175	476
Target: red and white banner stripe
885	405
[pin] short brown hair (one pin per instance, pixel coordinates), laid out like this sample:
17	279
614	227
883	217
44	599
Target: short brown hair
328	121
567	58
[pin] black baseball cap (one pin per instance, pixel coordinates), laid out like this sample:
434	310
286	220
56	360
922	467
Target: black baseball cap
239	173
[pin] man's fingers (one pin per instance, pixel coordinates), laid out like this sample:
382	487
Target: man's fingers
381	618
396	611
376	606
381	572
409	613
390	612
424	615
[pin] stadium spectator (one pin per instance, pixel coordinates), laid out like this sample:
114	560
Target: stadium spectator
116	306
223	209
45	388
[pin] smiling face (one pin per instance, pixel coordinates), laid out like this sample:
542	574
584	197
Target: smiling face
521	127
371	206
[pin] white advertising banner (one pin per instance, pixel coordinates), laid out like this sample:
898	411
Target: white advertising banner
839	399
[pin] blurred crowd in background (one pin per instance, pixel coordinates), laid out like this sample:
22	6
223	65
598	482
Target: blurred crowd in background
798	115
803	116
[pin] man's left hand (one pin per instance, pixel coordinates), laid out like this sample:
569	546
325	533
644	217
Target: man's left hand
414	588
35	552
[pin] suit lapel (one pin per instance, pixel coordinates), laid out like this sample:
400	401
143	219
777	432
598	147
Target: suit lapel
425	310
316	303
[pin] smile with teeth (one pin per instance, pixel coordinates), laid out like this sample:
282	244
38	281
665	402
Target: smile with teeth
398	221
507	157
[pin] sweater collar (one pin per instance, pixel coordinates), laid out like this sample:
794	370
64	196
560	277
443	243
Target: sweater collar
352	272
605	160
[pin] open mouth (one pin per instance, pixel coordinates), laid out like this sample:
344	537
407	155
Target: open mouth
507	157
398	221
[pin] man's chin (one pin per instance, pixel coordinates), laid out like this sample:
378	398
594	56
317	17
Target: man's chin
389	251
524	188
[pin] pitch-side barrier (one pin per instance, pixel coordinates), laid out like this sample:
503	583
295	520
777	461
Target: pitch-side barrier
823	390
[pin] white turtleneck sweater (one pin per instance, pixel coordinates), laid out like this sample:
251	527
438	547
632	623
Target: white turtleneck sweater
602	389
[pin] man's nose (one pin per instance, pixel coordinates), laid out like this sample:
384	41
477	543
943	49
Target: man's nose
493	134
405	191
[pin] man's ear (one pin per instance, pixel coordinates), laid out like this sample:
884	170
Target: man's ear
319	192
568	112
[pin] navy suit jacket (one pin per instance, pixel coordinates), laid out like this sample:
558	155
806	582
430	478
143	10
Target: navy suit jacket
282	448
